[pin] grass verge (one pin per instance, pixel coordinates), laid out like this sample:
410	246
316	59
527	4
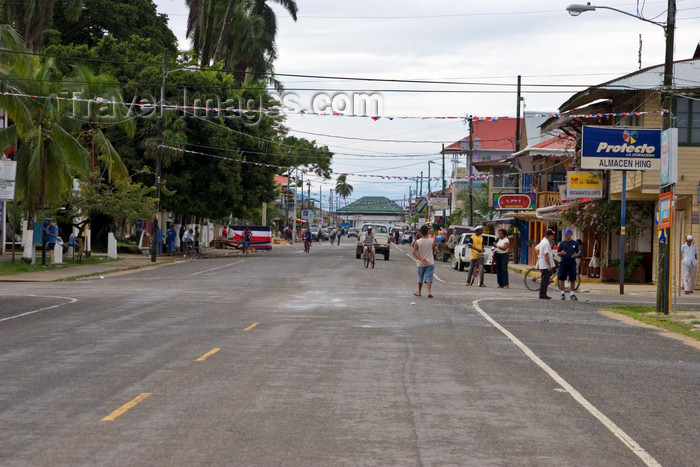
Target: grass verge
681	322
7	268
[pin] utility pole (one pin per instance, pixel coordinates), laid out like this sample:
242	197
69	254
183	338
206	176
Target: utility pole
421	183
663	286
159	150
470	155
308	199
294	221
429	162
444	213
517	118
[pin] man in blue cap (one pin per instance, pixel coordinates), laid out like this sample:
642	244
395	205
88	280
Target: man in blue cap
568	251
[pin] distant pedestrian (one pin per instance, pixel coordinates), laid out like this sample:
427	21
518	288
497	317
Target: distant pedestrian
545	262
339	235
594	263
568	250
196	236
424	251
51	235
333	237
170	240
159	240
500	258
181	232
689	264
452	242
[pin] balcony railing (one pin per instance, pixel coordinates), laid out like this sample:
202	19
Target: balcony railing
547	198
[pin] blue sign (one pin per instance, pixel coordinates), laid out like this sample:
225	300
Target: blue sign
612	148
38	233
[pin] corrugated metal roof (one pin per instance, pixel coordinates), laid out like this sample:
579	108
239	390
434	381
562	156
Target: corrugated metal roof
686	75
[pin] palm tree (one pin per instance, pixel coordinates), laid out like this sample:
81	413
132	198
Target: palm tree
48	156
241	33
343	188
30	18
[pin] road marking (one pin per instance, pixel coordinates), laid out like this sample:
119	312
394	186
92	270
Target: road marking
218	267
70	300
251	326
120	411
208	354
578	397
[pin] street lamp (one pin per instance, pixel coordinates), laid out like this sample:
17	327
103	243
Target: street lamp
159	158
669	27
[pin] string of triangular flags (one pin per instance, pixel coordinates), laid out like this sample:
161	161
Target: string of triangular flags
323	172
273	112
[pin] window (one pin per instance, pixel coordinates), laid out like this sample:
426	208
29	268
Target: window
687	120
504	177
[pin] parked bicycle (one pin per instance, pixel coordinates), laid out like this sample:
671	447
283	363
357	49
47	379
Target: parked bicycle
533	278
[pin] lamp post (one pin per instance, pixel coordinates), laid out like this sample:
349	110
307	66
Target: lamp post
669	27
159	150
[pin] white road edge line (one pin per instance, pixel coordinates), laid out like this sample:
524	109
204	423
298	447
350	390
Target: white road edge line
70	300
218	267
578	397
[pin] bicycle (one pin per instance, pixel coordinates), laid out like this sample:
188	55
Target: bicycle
193	250
369	256
307	246
533	278
246	246
477	273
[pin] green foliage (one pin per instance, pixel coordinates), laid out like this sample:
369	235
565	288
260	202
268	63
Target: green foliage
603	216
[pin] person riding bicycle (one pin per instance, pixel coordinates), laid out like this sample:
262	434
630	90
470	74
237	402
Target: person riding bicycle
369	241
307	238
568	250
188	239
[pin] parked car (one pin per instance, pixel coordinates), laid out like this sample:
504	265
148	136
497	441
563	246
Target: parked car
353	233
462	255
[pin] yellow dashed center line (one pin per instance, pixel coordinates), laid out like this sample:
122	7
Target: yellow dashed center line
251	326
208	354
125	407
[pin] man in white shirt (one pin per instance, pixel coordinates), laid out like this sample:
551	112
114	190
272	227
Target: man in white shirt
423	251
545	262
689	264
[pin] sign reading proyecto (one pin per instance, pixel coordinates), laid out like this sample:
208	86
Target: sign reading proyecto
261	238
612	148
584	185
514	202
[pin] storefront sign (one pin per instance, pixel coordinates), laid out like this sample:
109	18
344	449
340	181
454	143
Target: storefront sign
7	190
584	185
514	202
669	157
666	211
438	203
611	148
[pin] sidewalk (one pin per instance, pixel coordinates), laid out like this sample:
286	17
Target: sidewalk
125	263
595	286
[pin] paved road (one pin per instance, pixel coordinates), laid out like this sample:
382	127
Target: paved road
313	360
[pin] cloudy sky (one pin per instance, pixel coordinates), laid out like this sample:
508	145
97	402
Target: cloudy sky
481	45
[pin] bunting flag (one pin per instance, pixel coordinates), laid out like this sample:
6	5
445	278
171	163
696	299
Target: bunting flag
276	111
324	172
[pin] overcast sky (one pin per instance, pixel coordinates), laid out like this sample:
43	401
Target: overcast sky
475	42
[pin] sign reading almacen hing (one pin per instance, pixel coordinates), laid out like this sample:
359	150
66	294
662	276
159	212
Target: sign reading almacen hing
612	148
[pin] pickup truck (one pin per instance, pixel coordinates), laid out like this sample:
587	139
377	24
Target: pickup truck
381	235
463	252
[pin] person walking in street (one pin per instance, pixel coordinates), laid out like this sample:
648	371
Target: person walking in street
476	245
689	264
500	258
51	235
545	262
452	242
568	250
424	251
170	241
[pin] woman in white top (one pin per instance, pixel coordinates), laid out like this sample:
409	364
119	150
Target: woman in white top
500	258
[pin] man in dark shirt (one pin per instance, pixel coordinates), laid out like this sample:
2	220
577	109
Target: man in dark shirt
568	251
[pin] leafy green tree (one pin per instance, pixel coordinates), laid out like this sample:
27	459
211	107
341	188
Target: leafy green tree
121	19
343	188
30	18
